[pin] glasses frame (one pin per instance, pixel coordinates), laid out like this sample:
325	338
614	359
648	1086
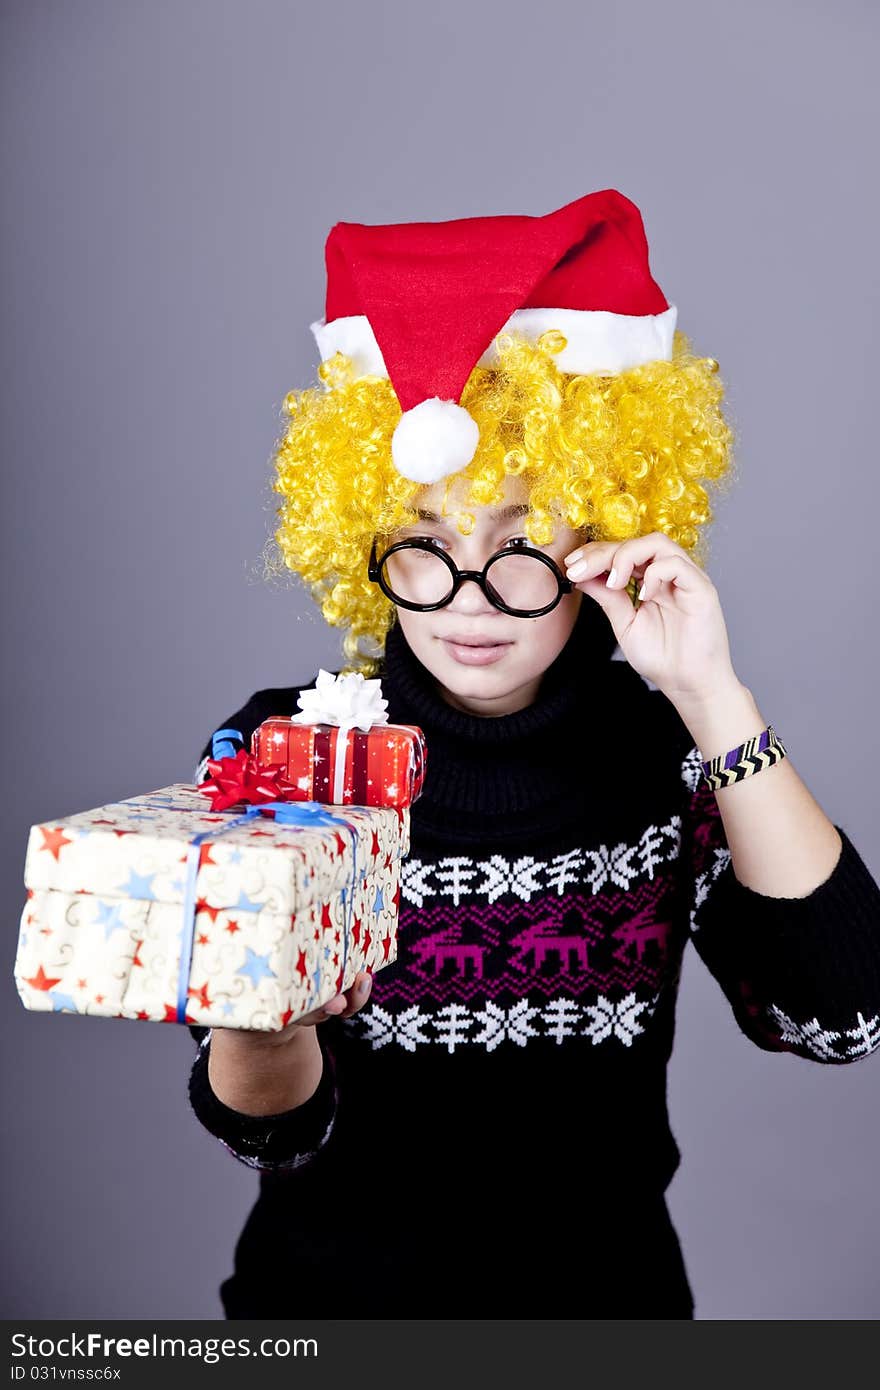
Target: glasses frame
458	577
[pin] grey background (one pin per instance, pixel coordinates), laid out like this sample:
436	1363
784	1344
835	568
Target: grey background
170	172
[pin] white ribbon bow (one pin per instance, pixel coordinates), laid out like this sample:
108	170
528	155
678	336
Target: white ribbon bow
350	701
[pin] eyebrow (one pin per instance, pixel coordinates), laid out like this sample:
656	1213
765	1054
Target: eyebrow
501	514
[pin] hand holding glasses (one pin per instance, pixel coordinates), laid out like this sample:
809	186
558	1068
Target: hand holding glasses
519	580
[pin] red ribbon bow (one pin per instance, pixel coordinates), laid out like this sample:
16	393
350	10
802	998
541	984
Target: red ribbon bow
241	778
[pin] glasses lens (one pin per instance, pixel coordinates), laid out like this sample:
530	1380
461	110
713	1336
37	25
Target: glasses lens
415	575
522	581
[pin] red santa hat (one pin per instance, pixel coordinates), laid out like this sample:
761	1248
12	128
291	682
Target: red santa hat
422	304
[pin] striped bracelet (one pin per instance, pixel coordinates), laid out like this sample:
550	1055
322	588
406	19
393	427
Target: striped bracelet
758	752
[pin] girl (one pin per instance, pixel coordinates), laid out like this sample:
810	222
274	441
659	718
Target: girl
498	493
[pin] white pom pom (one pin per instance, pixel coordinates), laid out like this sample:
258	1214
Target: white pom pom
433	439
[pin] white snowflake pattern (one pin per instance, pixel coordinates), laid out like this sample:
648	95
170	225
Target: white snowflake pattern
810	1035
522	877
620	1019
456	1025
525	877
499	1024
703	883
452	1023
691	771
560	1017
383	1027
453	876
867	1034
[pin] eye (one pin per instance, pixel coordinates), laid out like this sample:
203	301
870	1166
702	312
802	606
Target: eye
518	541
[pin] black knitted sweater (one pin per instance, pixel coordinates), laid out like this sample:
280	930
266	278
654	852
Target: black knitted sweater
490	1134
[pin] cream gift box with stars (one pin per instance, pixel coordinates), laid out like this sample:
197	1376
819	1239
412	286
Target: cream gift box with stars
160	909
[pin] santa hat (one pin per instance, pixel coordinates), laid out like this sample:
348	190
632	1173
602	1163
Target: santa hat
422	304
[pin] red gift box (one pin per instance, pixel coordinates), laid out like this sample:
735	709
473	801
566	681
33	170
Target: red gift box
384	766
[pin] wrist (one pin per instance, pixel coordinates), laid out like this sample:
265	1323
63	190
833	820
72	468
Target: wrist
722	720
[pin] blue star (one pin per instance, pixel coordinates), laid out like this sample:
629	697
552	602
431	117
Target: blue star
246	904
256	968
379	904
177	885
228	1009
326	952
108	918
61	1003
138	886
235	857
317	978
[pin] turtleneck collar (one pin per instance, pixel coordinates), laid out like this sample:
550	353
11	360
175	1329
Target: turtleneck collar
498	766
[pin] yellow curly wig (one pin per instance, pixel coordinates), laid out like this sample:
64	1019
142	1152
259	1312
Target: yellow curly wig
613	456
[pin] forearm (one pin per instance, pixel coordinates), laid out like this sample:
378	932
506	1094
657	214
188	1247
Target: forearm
257	1076
781	842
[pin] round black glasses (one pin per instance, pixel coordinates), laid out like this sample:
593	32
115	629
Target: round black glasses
521	581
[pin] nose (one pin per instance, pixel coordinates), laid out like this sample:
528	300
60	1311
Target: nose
470	598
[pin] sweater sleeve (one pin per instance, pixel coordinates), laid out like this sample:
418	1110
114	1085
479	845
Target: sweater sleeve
272	1143
802	975
275	1143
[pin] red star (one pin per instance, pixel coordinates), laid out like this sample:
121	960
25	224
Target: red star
232	927
99	998
46	931
201	939
140	1014
388	861
339	841
201	995
30	892
205	856
317	936
301	965
286	1017
336	958
368	936
101	822
136	960
55	840
120	833
264	834
396	899
356	930
338	935
386	946
326	919
202	906
81	984
375	848
42	981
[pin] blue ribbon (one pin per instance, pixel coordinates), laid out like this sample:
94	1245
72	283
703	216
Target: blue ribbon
296	814
221	747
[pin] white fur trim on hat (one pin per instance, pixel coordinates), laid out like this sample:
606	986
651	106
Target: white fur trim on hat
598	341
433	439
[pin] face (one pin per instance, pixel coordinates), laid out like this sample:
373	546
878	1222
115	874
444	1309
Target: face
505	675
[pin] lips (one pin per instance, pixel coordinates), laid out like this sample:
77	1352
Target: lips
464	641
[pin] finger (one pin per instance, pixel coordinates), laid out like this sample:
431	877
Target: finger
358	994
590	559
620	558
680	572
